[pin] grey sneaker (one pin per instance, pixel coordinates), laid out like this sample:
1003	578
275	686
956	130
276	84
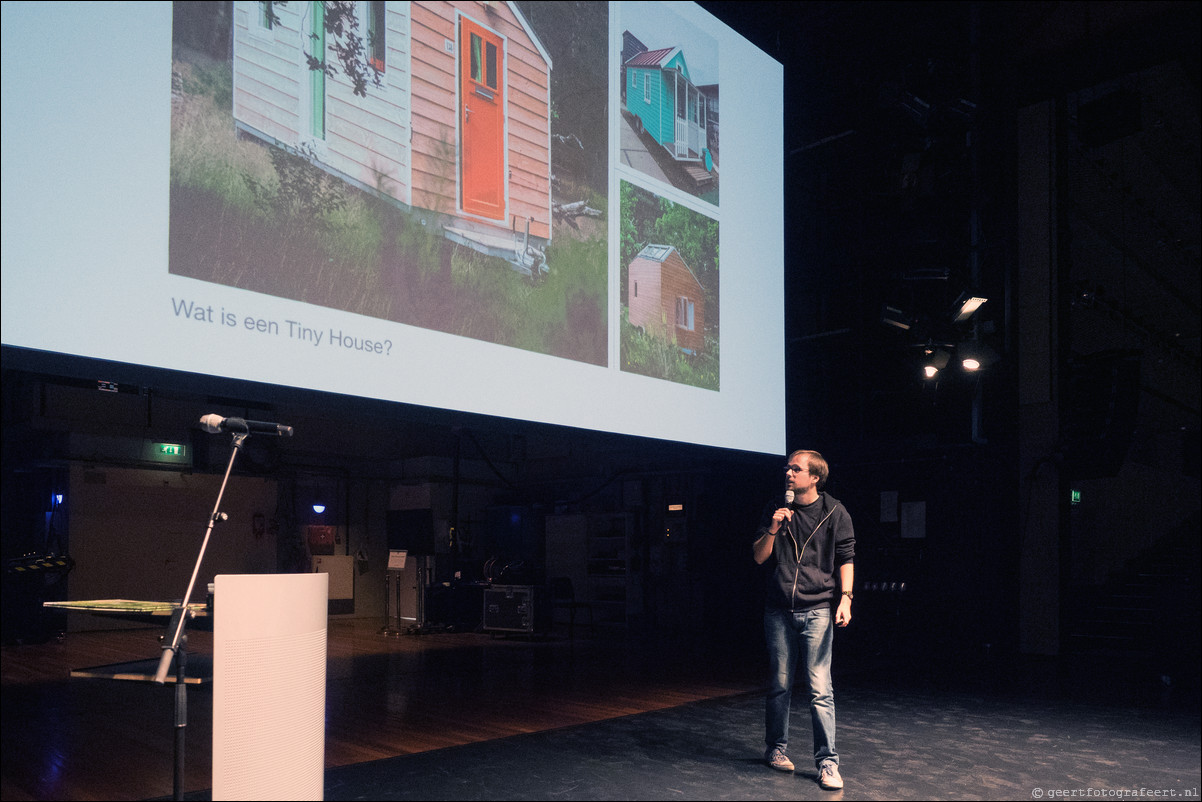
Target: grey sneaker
828	777
777	759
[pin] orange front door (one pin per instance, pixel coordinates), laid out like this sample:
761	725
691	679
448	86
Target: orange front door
481	120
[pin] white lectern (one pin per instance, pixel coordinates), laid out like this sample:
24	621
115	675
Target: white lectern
269	686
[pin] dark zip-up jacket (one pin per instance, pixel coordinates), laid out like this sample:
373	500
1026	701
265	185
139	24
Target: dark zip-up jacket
803	566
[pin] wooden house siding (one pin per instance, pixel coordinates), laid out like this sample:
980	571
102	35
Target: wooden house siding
403	138
657	82
527	111
658	113
264	73
631	47
677	62
529	132
643	288
653	287
366	139
647	110
679	282
665	109
435	122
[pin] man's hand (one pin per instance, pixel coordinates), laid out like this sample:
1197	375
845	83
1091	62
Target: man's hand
779	519
843	613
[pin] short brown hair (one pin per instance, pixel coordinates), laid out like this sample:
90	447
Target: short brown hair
817	465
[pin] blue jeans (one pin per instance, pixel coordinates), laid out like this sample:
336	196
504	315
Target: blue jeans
791	636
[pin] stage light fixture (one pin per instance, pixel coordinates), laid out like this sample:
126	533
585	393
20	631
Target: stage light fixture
966	306
976	355
936	361
319	508
892	316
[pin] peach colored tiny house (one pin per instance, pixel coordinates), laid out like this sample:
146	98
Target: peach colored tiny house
665	298
459	124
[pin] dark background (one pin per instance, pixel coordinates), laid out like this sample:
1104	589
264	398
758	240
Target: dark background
905	184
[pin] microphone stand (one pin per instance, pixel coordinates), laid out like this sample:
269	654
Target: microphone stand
174	640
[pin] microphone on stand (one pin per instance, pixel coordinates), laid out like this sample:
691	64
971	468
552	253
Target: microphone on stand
215	423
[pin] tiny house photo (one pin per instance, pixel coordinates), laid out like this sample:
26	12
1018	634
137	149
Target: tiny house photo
451	114
667	105
669	288
666	299
399	160
669	91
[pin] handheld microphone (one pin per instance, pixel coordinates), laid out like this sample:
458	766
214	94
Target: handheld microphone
215	423
789	497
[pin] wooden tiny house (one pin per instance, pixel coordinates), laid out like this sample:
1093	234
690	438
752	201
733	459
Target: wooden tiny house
458	125
666	103
665	299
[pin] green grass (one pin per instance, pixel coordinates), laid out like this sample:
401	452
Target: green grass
652	356
251	216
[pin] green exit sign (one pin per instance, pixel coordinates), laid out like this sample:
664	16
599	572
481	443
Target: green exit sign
1075	498
166	453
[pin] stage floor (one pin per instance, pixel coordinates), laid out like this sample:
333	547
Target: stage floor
892	746
605	715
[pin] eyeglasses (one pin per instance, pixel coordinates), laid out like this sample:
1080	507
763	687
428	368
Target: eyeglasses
795	469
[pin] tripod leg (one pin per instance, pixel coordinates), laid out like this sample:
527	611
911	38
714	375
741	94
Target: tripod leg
181	722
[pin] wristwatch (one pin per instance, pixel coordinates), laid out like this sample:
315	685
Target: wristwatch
848	594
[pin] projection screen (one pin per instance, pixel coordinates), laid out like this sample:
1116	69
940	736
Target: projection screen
560	213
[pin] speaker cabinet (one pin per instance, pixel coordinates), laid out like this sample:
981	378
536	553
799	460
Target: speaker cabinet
515	608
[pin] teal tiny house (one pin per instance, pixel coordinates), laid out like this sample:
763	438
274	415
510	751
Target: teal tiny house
667	105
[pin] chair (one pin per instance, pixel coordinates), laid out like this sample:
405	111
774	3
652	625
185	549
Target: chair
563	596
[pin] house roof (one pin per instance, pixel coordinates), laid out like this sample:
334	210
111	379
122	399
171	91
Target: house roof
660	253
653	58
656	253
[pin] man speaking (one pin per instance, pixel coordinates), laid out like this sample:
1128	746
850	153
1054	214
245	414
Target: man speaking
809	545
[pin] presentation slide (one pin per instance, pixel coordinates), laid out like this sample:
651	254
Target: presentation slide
565	213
